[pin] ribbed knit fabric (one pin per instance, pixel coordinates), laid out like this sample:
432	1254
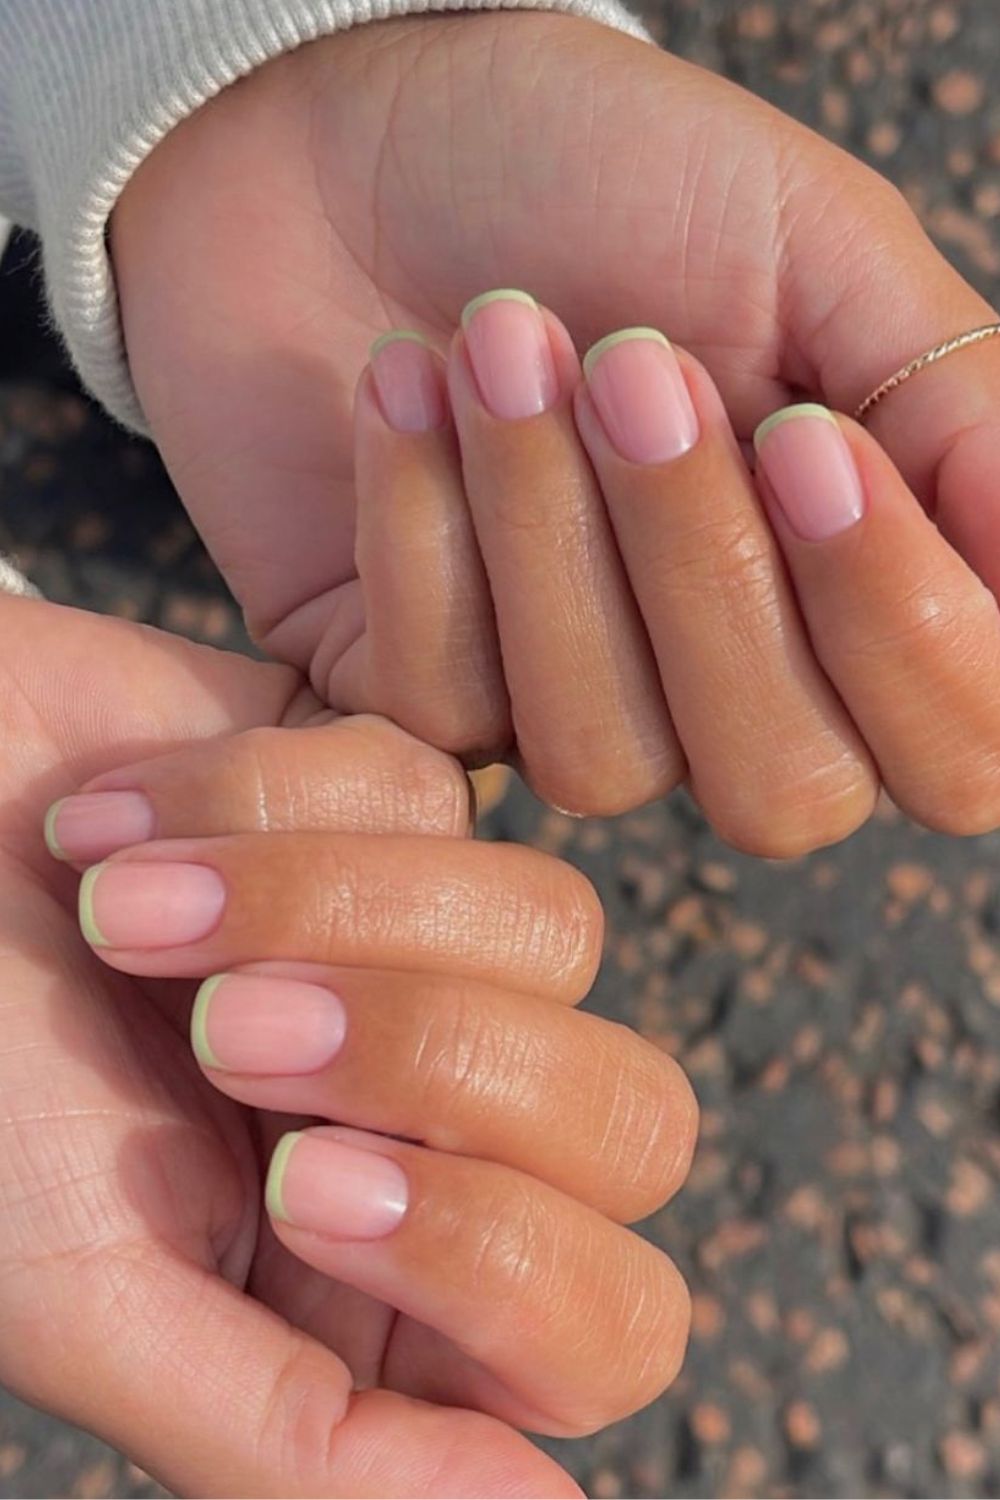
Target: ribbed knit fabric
89	87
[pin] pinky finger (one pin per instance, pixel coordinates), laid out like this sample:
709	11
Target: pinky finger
429	657
907	633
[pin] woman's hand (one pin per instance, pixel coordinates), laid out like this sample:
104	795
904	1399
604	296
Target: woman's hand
385	176
403	980
579	565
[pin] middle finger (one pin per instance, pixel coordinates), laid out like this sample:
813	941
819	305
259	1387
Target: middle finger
775	759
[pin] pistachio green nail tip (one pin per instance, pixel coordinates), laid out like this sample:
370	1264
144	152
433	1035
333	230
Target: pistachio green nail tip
51	841
502	294
199	1023
789	414
393	336
95	937
609	340
273	1195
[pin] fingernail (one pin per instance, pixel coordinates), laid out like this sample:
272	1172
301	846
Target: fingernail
811	470
510	355
149	905
409	379
333	1189
641	396
92	825
253	1023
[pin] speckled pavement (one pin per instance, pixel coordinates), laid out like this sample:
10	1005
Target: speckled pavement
839	1017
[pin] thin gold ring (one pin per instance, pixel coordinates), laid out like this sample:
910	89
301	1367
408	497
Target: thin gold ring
976	336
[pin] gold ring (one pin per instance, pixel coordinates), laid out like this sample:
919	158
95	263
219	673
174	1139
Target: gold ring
976	336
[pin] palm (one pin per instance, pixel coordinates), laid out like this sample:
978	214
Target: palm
122	1170
381	178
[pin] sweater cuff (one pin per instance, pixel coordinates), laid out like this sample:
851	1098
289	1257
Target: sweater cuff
89	87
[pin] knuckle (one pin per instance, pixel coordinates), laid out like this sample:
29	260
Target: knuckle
650	1127
731	552
964	803
648	1321
302	1421
930	626
470	725
577	926
606	791
513	1263
805	813
462	1059
549	919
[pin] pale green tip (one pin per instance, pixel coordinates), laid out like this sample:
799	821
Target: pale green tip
789	414
273	1194
54	847
199	1022
609	340
502	294
95	937
393	336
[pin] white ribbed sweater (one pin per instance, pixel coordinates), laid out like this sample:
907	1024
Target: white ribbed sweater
89	87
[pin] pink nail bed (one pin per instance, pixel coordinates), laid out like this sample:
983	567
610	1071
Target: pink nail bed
331	1188
641	396
409	379
809	466
148	906
92	825
263	1025
508	347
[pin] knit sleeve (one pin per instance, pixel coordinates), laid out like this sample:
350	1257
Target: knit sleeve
89	87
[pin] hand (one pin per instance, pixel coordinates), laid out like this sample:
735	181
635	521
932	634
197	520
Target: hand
360	184
636	610
142	1297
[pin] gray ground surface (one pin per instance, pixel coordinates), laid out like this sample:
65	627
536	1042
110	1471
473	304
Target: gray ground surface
840	1018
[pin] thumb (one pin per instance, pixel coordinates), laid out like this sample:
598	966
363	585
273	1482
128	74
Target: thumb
217	1396
887	296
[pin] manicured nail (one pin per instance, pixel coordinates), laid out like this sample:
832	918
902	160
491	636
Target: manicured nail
92	825
811	470
334	1189
510	354
641	395
253	1023
409	379
149	905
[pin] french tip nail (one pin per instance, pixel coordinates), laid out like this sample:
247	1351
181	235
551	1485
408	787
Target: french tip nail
200	1045
274	1199
49	828
619	337
393	336
790	414
510	294
88	926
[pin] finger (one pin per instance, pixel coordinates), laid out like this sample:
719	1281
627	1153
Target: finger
905	629
774	758
493	912
429	656
593	733
358	774
562	1320
461	1067
881	301
125	1202
160	1332
148	692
